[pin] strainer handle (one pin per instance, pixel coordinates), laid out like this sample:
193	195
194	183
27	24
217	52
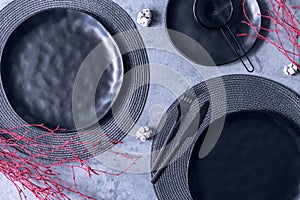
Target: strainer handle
251	69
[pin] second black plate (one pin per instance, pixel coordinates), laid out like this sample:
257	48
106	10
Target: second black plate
192	39
256	157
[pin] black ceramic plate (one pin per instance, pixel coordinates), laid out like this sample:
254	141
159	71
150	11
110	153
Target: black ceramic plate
180	19
40	62
256	157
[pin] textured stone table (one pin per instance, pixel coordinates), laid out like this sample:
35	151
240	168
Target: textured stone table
171	74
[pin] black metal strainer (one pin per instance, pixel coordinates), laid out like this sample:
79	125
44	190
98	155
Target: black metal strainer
215	14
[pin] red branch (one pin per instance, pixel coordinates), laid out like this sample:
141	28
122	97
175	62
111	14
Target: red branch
285	26
30	172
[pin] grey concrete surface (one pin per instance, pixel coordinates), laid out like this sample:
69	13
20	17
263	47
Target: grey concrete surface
171	74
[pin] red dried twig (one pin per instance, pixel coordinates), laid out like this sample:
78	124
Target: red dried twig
29	172
285	26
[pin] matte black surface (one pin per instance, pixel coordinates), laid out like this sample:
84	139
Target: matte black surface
40	63
256	157
180	18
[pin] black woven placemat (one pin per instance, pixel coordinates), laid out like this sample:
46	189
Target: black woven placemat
232	93
133	94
